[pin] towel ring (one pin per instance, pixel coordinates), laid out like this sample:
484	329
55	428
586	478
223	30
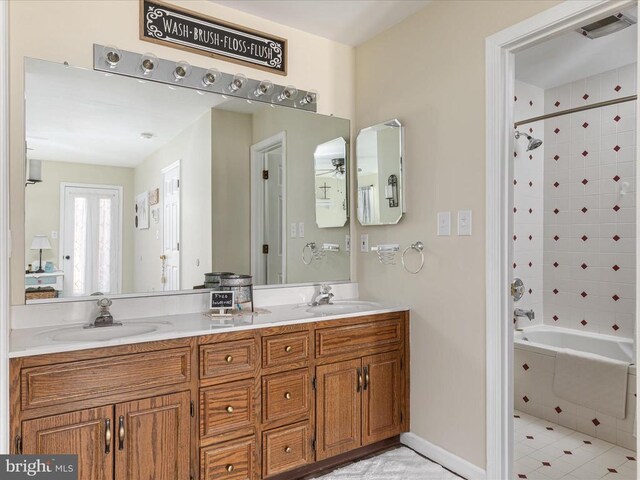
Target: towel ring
418	247
312	247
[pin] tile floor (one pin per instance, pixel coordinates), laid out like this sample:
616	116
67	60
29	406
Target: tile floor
398	464
545	450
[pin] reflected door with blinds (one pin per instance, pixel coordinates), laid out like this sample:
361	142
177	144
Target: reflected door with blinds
91	239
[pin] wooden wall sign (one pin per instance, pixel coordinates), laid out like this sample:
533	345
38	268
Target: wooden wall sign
180	28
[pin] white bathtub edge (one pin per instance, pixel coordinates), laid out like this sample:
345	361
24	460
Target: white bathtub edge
444	457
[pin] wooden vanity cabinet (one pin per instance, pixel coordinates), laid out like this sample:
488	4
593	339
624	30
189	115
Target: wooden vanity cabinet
278	402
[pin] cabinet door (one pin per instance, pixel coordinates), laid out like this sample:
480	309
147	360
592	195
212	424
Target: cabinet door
381	397
151	438
338	408
87	433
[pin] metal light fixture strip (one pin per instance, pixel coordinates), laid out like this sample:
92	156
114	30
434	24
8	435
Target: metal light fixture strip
129	65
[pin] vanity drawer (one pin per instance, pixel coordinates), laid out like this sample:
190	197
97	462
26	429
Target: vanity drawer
286	395
285	349
234	460
286	448
228	409
236	359
362	336
69	382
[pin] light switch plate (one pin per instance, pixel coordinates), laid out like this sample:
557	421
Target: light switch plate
294	230
301	230
444	224
364	243
464	223
54	234
347	243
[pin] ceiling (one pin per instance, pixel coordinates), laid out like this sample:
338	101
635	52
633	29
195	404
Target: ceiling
571	56
347	21
81	116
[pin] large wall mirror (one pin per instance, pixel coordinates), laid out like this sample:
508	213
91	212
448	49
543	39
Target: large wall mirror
379	151
136	187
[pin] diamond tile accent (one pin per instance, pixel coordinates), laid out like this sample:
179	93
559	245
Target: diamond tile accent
530	437
556	157
530	237
616	118
612	470
567	452
616	208
555	291
587	442
585	96
515	237
530	103
583	322
617	88
616	148
530	264
633	459
522	475
585	153
555	319
546	464
615	298
585	125
526	399
556	238
549	428
556	211
525	366
557	104
584	210
556	131
616	238
615	268
616	178
615	327
531	184
585	181
556	264
531	210
584	238
558	409
595	421
584	294
584	266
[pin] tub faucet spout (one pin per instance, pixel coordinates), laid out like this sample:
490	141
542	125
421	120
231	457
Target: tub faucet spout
519	312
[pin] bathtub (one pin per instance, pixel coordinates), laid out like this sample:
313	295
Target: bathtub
534	366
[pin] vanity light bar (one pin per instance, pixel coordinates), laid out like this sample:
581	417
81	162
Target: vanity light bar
147	66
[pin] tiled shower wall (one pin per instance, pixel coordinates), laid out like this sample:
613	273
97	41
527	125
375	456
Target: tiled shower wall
589	206
528	194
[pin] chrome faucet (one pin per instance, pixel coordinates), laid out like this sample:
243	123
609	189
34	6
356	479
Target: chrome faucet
104	317
519	312
324	297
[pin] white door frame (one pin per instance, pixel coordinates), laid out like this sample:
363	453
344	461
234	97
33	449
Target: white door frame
5	252
500	81
120	189
257	199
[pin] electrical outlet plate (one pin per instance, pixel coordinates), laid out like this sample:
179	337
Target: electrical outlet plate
444	224
294	230
347	243
464	223
301	230
364	243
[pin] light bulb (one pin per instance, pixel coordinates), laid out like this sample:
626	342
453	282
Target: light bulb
148	63
264	88
239	81
182	70
309	98
289	93
210	77
112	55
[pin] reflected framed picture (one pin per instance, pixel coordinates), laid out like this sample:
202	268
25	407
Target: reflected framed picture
142	211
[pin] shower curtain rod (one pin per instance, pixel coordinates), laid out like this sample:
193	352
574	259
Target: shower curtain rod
577	109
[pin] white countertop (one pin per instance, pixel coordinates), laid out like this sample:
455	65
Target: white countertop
41	340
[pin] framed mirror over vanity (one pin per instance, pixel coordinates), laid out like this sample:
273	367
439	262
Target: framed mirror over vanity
140	187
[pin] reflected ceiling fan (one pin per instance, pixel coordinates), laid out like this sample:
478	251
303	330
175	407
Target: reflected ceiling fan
337	170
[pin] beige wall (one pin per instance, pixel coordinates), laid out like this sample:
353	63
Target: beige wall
192	147
42	215
429	72
230	195
304	133
66	30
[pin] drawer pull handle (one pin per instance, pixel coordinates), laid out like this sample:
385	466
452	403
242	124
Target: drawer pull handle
287	449
288	349
229	409
121	433
107	435
366	378
228	358
229	468
359	385
287	396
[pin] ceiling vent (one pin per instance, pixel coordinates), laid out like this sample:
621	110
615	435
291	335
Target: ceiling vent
606	26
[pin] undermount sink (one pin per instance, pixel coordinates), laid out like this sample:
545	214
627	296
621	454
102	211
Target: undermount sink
346	306
102	334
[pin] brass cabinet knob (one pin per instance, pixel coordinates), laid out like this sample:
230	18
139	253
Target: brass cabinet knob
288	348
287	449
229	409
229	468
228	358
287	396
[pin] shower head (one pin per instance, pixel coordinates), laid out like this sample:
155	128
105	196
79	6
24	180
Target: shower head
533	142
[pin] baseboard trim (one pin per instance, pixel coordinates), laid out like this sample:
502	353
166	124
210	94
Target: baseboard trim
443	457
